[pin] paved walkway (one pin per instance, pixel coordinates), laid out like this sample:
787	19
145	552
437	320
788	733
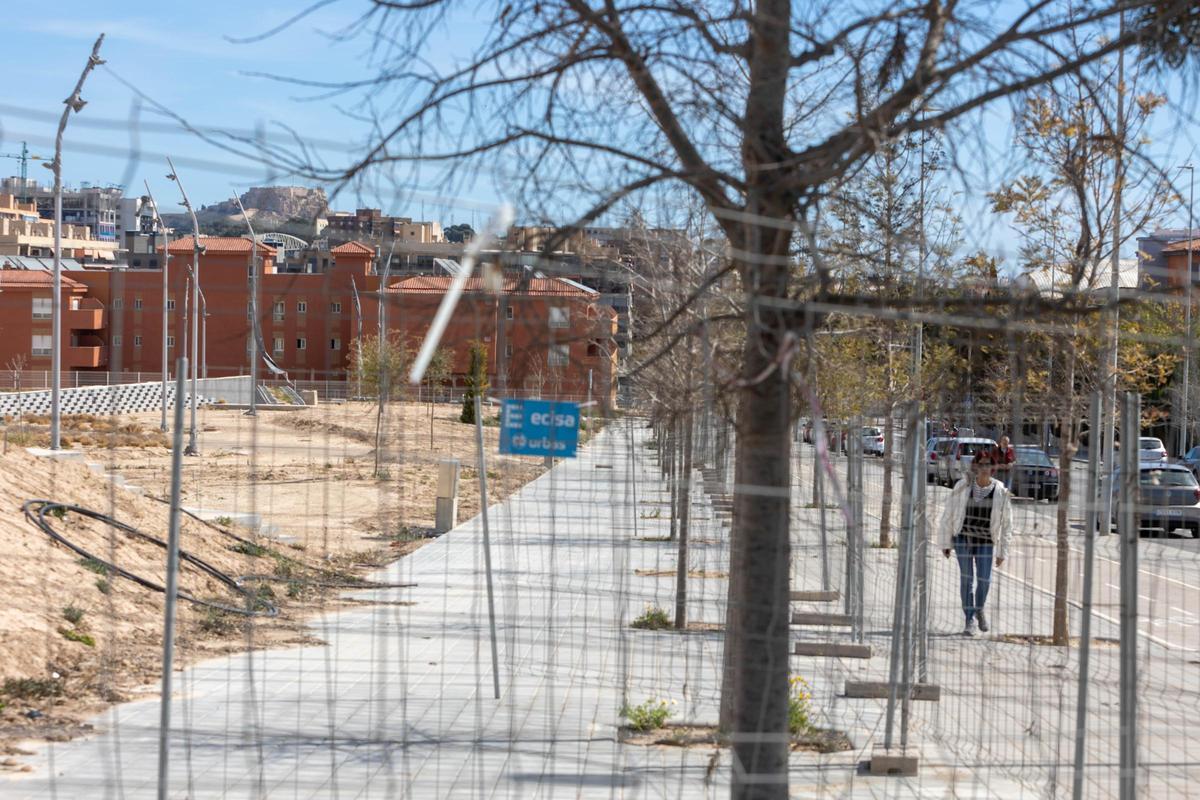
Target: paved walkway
399	702
1005	725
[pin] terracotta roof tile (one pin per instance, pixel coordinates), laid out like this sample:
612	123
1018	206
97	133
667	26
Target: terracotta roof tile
438	284
353	248
219	245
33	279
1182	246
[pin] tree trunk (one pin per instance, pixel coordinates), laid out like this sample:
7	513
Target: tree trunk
673	482
885	504
1068	441
685	492
754	693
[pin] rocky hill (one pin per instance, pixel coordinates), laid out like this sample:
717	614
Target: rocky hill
290	209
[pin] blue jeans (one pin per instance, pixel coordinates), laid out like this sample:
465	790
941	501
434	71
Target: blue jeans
974	574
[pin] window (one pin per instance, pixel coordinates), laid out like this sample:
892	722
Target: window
301	344
335	308
170	342
302	307
170	304
278	348
508	312
116	341
594	349
41	345
137	304
559	318
41	308
560	355
137	341
118	303
335	344
278	311
508	350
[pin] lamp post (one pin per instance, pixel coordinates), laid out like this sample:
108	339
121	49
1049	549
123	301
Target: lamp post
73	103
158	225
193	448
1187	324
253	410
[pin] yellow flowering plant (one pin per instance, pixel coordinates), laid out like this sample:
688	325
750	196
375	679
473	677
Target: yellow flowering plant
799	705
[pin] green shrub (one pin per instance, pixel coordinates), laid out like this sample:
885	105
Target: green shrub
103	585
250	549
648	715
72	614
32	688
224	521
652	619
95	566
76	636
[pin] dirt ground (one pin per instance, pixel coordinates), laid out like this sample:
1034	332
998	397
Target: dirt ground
74	637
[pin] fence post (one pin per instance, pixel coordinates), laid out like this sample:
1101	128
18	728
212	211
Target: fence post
1085	624
854	529
1131	409
168	657
899	664
916	430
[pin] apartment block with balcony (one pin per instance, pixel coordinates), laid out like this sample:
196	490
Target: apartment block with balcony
26	299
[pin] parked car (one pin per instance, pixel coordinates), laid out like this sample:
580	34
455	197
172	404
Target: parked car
1151	450
1191	460
954	458
1168	499
872	441
1034	474
931	456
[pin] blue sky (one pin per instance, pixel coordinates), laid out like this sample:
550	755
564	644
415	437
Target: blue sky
178	54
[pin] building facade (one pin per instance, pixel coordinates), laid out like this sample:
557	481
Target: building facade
553	338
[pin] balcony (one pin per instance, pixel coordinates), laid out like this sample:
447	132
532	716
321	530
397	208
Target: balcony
84	314
85	352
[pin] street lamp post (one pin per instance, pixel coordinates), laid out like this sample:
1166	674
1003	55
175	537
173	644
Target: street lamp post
193	448
158	225
73	103
1187	325
253	410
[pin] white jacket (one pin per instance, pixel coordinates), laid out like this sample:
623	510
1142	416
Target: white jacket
956	511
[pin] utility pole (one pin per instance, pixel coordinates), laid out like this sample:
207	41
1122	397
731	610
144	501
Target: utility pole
73	103
158	225
1114	295
193	448
1184	439
253	411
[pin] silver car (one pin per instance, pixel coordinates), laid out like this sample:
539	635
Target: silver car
872	441
954	457
931	456
1168	499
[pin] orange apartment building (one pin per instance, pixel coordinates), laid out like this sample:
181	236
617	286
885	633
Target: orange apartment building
552	337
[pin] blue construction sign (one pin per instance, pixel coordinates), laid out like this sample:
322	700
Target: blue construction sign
539	428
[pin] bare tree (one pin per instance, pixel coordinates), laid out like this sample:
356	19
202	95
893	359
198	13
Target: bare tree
758	110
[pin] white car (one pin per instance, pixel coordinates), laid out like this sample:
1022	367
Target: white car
872	441
1151	450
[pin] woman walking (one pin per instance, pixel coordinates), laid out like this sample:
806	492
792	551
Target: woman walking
977	525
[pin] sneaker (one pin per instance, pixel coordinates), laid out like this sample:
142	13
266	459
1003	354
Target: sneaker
969	630
982	620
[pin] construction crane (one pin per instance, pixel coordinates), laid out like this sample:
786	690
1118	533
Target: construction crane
24	157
